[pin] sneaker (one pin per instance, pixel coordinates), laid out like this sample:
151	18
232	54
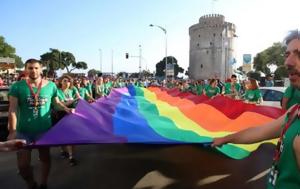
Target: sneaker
72	162
43	186
64	155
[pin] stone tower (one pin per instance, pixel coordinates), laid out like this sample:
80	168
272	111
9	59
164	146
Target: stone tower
211	48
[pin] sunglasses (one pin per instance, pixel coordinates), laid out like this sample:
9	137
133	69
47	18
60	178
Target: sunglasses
295	52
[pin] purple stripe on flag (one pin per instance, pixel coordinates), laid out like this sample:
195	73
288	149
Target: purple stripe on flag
89	124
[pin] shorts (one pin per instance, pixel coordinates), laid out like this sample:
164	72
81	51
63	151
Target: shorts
30	138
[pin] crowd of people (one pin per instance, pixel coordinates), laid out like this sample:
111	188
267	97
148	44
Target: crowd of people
36	103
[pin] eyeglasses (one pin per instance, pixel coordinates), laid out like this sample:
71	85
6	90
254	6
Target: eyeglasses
66	81
295	52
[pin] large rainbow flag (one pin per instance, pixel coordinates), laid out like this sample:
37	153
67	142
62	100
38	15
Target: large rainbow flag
158	116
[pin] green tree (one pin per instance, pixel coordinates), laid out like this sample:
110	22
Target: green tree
7	50
93	73
254	75
280	73
161	67
273	55
123	74
134	75
55	60
146	73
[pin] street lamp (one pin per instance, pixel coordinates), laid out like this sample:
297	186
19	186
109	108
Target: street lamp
100	53
165	31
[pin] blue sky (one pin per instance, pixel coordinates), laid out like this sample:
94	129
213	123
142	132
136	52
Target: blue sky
84	27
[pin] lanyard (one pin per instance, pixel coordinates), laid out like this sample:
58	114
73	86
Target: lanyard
279	147
35	95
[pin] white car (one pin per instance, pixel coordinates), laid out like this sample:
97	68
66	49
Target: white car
272	96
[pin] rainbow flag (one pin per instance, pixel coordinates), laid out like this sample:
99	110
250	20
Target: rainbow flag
159	116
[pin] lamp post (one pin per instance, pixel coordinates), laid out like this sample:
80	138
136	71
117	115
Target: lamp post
100	53
140	61
165	31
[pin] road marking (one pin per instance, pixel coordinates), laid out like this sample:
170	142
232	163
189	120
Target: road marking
259	176
153	180
211	179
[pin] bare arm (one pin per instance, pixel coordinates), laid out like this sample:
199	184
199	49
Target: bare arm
296	146
60	106
89	96
252	135
12	117
77	95
11	145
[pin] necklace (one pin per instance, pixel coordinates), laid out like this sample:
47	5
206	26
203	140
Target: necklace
35	95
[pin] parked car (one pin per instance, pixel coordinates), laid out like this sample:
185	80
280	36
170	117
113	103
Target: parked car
4	104
272	96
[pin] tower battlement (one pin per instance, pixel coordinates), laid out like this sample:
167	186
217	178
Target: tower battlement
212	20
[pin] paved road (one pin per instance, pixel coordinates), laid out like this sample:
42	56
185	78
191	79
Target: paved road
121	166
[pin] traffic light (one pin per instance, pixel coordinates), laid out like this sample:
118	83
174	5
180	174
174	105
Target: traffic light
127	55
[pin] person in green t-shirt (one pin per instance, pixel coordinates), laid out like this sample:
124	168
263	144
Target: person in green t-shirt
83	92
199	87
87	84
67	97
99	88
212	89
232	88
253	94
291	96
285	170
29	117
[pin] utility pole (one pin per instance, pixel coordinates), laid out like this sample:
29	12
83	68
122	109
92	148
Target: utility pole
140	61
112	62
100	53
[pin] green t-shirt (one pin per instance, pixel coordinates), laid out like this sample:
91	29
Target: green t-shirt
89	88
293	95
199	89
99	90
289	173
253	95
29	120
228	88
170	85
65	96
82	92
210	91
74	92
107	88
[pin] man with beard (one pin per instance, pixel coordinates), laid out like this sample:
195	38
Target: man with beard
29	117
285	171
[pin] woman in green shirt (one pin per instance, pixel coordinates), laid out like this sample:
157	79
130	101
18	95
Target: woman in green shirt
212	89
83	92
252	94
66	96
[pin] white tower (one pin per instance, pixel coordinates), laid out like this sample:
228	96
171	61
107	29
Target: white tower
211	48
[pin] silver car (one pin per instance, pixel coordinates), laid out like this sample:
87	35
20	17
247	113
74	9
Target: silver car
272	96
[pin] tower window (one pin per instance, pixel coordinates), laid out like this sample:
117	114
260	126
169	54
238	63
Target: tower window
207	52
214	35
199	36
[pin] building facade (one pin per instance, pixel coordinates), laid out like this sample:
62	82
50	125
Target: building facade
211	48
